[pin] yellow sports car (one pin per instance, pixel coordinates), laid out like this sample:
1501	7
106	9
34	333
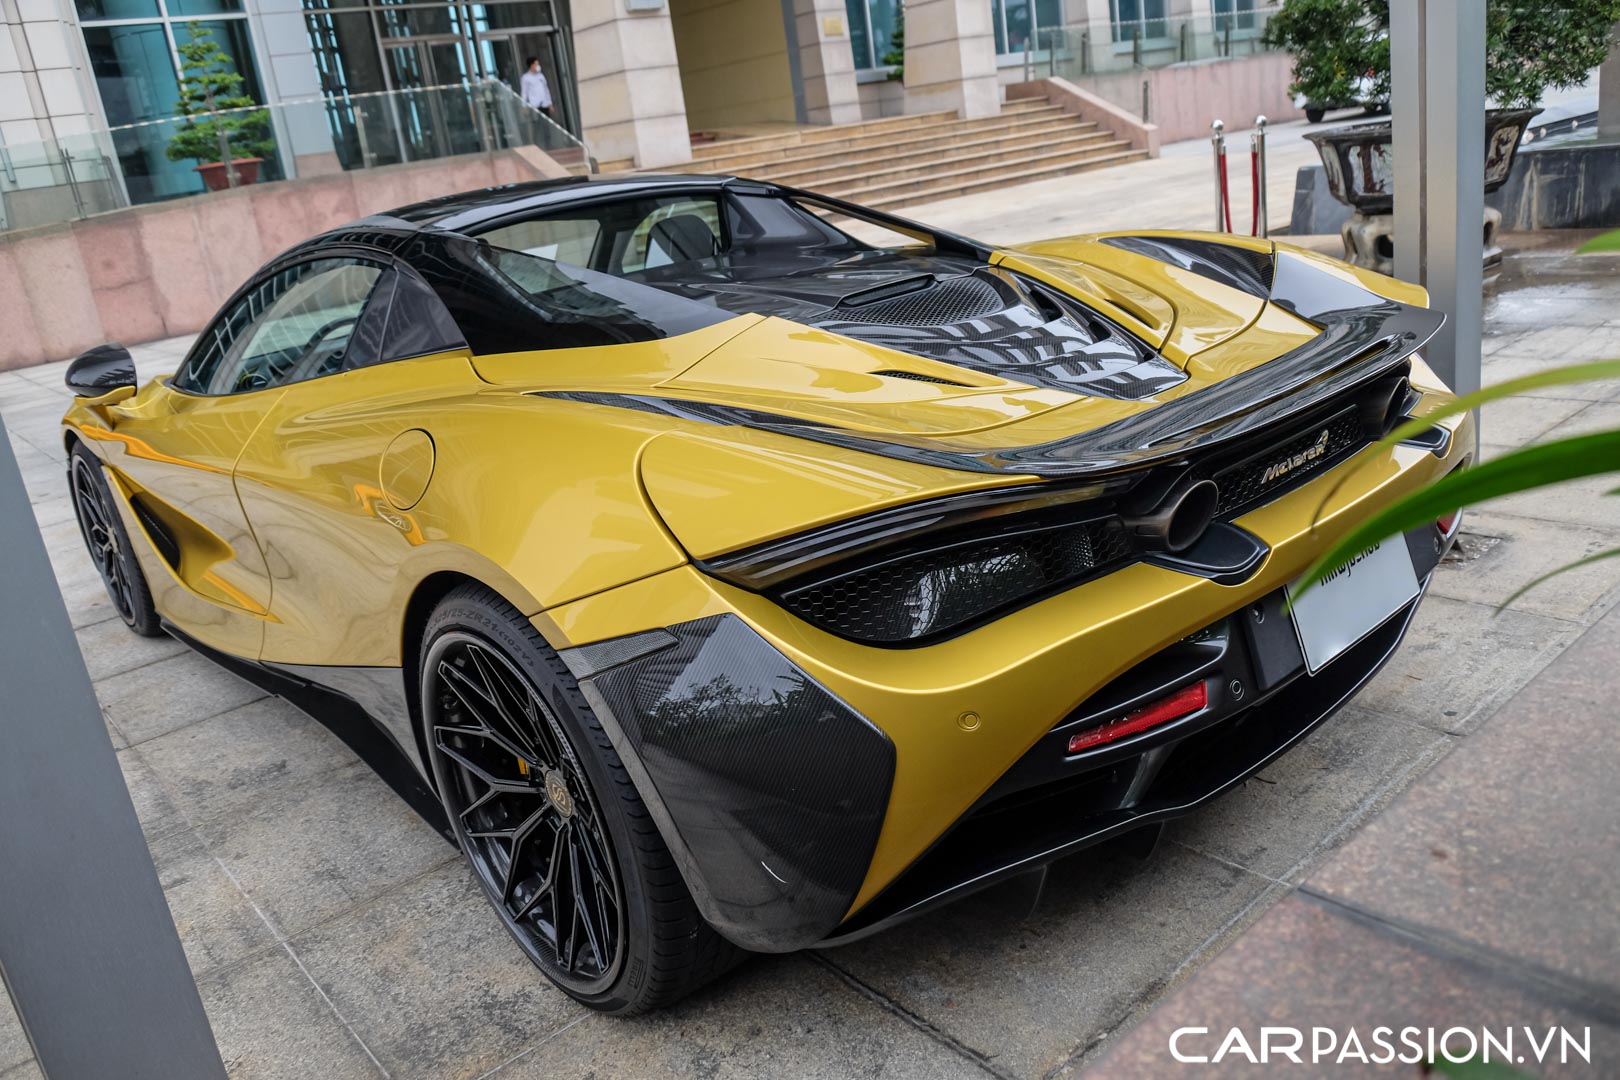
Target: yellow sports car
741	569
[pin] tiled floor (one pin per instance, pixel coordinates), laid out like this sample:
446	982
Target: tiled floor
333	934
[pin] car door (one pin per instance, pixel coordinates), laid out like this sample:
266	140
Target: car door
174	447
329	480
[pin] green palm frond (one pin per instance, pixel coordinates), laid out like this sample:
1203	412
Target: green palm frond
1609	241
1530	467
1564	376
1549	575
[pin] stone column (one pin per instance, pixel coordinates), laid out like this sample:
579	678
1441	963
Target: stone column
826	64
287	67
951	58
630	83
1609	89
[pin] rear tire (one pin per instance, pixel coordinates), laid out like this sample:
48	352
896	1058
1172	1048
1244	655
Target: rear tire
528	777
108	543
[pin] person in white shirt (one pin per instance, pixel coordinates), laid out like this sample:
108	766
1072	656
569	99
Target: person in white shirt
534	89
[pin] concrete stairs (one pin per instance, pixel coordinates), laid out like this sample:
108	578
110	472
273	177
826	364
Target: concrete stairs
901	160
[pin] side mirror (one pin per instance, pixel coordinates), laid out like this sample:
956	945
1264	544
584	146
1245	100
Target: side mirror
100	371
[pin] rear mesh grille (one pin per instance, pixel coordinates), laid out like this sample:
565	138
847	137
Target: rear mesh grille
916	597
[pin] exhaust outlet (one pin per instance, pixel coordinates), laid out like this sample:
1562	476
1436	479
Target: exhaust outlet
1177	521
1385	406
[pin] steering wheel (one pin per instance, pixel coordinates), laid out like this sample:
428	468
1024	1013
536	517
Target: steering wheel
297	371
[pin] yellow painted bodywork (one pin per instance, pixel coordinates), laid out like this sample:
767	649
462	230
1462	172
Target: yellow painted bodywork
304	535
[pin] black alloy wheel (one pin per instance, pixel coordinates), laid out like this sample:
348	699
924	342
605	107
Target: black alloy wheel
108	544
551	824
525	813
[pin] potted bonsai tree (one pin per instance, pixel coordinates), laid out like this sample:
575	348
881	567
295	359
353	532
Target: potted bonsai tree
1341	53
221	128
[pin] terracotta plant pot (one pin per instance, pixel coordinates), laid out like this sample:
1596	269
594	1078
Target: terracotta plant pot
1357	158
215	179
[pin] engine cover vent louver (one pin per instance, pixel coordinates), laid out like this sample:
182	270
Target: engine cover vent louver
946	301
918	376
1238	267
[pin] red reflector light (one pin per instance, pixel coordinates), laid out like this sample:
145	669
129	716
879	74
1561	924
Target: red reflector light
1189	699
1447	524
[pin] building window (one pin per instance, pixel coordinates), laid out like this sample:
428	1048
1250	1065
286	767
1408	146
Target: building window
1020	24
871	28
131	47
1144	19
1234	15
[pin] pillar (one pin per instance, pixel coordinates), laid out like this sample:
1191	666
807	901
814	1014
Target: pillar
1609	90
826	69
1437	67
951	58
630	97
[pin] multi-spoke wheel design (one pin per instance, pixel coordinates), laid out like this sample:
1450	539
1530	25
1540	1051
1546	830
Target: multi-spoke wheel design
108	543
95	522
524	812
553	826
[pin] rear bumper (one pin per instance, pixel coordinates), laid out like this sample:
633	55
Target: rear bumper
1048	805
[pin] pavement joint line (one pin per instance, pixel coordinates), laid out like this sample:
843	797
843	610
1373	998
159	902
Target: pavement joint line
1593	999
141	666
1230	864
1400	781
1153	994
921	1023
280	938
192	723
580	1019
1143	1004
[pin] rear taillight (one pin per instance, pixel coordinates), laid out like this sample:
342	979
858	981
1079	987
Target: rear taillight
1184	702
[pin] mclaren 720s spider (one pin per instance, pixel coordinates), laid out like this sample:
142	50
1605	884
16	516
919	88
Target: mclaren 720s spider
738	569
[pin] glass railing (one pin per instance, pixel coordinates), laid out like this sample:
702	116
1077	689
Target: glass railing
71	177
1096	56
362	131
80	175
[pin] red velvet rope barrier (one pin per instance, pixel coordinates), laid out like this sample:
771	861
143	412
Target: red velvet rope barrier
1226	194
1254	185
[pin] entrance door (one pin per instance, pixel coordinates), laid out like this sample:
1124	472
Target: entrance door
502	54
436	117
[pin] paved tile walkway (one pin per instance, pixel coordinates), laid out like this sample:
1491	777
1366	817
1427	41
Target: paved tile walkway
334	935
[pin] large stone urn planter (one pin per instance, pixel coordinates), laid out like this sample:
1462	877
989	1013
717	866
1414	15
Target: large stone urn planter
1359	172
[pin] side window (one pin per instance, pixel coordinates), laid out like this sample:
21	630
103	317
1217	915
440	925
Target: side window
294	325
569	240
679	230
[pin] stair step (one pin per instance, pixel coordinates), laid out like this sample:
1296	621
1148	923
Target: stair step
950	189
942	135
988	151
882	187
891	126
808	135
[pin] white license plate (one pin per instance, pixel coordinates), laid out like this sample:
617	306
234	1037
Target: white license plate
1353	600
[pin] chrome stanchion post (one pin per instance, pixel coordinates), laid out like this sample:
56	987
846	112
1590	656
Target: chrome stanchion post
1217	140
1257	148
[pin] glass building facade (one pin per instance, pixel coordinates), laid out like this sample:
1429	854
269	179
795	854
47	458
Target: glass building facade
1015	23
132	50
367	46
